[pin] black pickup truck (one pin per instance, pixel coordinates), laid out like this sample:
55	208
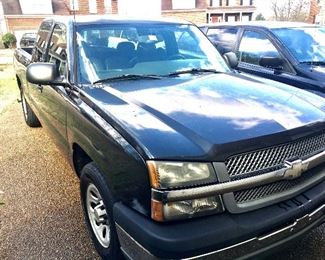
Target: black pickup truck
178	156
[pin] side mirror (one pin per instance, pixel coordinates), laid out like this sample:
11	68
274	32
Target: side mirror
271	62
231	59
43	73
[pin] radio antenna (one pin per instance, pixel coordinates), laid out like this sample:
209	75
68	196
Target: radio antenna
313	58
74	42
74	11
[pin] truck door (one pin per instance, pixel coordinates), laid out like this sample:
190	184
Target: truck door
52	99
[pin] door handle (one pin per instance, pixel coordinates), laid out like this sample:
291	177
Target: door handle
39	87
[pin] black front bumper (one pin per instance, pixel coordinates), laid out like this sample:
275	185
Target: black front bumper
227	236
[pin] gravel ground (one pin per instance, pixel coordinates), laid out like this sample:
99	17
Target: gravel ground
41	216
40	212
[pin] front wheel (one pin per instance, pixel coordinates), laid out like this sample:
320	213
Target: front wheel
29	116
97	205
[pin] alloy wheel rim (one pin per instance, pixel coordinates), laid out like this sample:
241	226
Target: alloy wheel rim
98	216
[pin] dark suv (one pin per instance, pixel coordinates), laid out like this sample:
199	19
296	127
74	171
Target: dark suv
292	53
28	40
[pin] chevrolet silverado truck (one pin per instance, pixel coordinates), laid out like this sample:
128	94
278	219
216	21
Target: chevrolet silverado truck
178	156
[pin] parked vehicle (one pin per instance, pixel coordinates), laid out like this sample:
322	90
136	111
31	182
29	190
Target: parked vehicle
28	40
24	52
177	155
289	52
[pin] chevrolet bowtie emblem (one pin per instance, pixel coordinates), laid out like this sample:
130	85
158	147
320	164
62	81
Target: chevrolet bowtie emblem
294	169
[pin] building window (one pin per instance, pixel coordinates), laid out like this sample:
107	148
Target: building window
35	6
74	5
181	4
232	17
216	18
246	2
216	3
231	3
92	7
246	17
108	6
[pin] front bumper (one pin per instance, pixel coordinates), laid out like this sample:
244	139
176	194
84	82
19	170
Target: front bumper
224	236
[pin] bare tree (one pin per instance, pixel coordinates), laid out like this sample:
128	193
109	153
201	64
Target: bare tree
290	10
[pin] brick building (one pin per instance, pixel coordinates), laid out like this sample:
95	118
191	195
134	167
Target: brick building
320	17
20	16
209	11
313	11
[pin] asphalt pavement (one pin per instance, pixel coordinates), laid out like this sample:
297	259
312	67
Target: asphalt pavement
40	211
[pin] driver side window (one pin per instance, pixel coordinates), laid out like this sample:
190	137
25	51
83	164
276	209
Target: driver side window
254	46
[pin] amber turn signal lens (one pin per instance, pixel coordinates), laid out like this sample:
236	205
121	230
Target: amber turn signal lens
153	174
157	210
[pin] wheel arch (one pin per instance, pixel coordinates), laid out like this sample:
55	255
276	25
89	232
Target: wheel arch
79	158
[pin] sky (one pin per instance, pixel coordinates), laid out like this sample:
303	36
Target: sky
263	6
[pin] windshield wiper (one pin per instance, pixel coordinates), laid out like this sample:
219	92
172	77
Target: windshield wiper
192	71
317	63
127	77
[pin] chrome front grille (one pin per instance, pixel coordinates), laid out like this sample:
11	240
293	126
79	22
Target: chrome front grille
258	162
267	190
268	160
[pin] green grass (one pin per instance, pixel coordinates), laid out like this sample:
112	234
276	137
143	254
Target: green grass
8	87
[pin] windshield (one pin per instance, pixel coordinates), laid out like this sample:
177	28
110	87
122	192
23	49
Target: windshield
307	44
113	50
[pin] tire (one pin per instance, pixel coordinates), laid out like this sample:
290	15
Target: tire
96	200
29	116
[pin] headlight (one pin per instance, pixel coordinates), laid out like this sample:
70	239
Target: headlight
186	209
165	175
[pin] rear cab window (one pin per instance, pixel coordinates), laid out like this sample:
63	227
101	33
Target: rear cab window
224	38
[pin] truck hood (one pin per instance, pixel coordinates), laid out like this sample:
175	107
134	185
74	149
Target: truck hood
186	116
315	73
307	95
